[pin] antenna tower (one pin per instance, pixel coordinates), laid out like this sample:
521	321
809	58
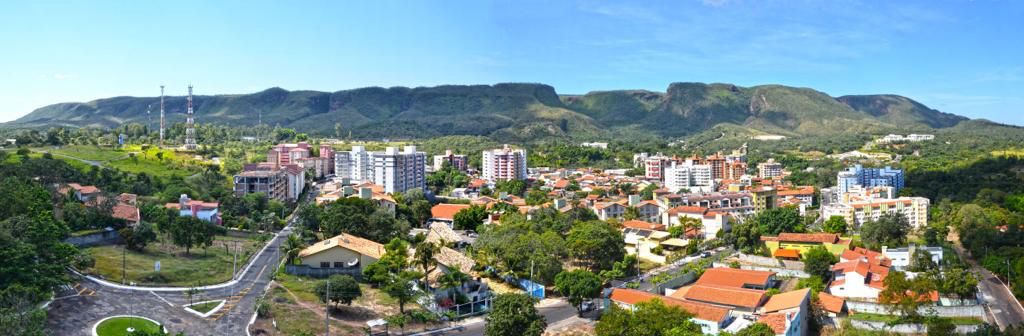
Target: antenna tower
161	115
190	125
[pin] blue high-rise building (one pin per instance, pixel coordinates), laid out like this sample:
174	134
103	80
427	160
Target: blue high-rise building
870	177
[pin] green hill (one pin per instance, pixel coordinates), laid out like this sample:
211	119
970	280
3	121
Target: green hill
520	111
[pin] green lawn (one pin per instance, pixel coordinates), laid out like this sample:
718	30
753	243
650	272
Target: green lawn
199	268
118	326
891	318
91	153
149	166
205	307
305	289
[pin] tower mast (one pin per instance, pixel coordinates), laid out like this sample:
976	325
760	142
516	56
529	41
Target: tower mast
190	127
161	115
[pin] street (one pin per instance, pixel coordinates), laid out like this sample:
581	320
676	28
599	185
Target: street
555	313
1003	306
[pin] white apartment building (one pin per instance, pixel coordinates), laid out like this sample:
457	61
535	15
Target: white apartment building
504	164
769	169
902	256
856	212
457	161
399	171
695	177
355	165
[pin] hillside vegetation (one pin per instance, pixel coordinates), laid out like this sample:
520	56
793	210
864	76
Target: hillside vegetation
519	112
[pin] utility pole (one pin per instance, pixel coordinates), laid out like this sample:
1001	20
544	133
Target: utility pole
327	308
124	261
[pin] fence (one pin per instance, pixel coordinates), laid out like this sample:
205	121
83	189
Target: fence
908	328
304	270
943	311
94	239
778	270
675	282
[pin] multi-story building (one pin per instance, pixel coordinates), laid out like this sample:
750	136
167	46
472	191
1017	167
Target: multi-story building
457	161
764	198
295	177
902	257
737	204
283	154
769	169
504	164
327	152
654	167
318	165
690	176
858	176
857	211
718	165
273	183
355	165
398	171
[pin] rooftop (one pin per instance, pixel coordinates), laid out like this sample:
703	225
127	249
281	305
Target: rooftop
732	277
356	244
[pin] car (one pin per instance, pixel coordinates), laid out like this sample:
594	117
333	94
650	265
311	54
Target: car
705	254
587	306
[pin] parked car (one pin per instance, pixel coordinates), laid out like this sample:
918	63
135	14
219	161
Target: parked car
587	306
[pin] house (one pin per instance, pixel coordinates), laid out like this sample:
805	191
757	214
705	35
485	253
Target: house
834	306
859	278
642	238
649	210
802	242
441	234
445	213
787	313
738	278
736	298
902	257
342	252
711	222
82	193
607	210
207	211
711	318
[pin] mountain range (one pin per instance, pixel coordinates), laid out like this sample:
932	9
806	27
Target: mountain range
519	111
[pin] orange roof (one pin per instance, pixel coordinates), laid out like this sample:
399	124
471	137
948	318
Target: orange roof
447	211
477	183
776	321
871	256
731	277
831	302
787	253
727	296
687	209
809	237
359	245
701	311
873	273
802	190
787	300
642	225
126	212
561	183
84	189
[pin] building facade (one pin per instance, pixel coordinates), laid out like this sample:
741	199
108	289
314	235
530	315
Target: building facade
398	171
690	176
355	165
273	183
769	169
858	176
504	164
457	161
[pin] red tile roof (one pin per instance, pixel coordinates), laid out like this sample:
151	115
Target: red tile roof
873	273
447	211
687	209
642	225
701	311
126	212
809	237
831	303
787	300
776	321
786	253
731	277
726	296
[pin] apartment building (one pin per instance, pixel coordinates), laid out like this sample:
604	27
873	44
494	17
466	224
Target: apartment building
457	161
504	164
858	211
398	171
273	183
327	152
355	165
283	154
858	176
769	169
689	176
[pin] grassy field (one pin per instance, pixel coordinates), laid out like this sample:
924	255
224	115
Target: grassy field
118	326
205	307
199	268
91	153
891	318
152	167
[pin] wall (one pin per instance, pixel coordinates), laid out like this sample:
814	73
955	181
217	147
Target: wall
944	311
906	328
304	270
95	239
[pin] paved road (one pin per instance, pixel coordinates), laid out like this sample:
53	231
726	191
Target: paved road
553	313
75	311
1005	308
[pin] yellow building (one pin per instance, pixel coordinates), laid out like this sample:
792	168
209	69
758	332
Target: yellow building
793	245
342	251
763	198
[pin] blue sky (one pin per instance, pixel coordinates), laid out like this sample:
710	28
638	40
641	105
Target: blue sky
957	56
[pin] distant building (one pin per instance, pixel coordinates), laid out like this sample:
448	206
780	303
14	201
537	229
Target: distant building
355	165
601	145
769	169
283	154
689	176
207	211
504	164
327	152
273	183
457	161
786	243
858	176
398	171
901	257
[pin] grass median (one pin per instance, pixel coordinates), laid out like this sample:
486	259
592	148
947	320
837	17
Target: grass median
200	267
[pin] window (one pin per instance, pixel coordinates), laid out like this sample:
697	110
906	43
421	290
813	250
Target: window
325	264
338	264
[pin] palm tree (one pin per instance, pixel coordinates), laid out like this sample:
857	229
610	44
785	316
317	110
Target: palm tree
452	280
424	258
291	247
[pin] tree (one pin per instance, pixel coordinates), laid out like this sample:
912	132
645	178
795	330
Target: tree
746	236
888	230
469	218
777	220
906	295
137	238
756	329
631	213
647	318
343	289
189	232
955	281
835	224
308	215
940	326
921	261
291	248
578	285
452	280
514	315
401	287
511	187
595	245
818	262
394	260
424	258
363	218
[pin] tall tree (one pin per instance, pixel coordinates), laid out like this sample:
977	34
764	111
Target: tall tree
291	247
888	230
647	318
777	220
578	285
818	262
835	224
338	288
469	218
595	245
514	315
